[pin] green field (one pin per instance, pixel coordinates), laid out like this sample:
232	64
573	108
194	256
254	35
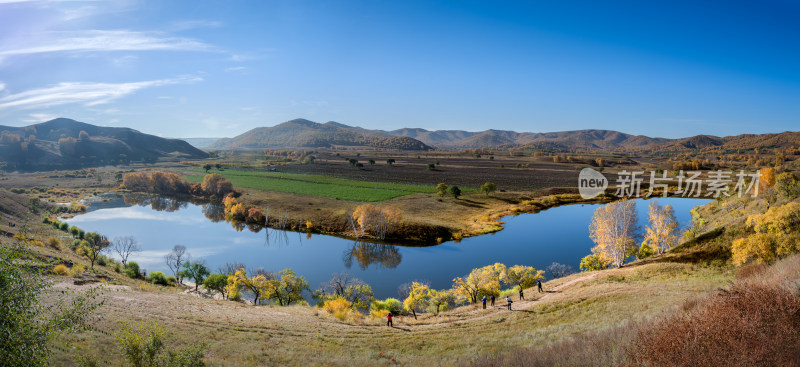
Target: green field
314	185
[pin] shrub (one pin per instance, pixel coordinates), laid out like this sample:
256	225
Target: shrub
749	325
593	262
64	227
158	277
171	281
77	270
392	305
132	269
61	269
338	307
53	243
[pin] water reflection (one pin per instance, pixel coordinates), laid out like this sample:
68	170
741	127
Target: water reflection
157	203
366	254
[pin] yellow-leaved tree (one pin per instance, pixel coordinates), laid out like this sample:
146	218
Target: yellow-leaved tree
661	233
376	220
419	294
523	276
776	235
479	282
612	229
257	285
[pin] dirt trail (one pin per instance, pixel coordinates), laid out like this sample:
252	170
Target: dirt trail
478	313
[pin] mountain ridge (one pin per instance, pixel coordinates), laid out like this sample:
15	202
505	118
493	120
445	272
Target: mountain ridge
66	143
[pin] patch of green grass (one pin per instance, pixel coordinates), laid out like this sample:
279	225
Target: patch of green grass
315	185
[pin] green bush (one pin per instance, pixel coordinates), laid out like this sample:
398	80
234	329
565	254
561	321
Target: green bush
64	227
158	277
593	262
392	305
132	269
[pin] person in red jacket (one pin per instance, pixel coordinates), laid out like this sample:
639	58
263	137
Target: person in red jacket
389	320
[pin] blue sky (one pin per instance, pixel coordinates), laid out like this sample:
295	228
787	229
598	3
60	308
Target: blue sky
213	69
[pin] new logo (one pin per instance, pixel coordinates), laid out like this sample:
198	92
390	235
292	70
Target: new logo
591	183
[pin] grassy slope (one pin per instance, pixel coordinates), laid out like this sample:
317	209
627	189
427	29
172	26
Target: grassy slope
297	335
315	185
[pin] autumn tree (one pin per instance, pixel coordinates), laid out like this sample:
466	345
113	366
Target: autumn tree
124	246
766	180
136	181
787	186
257	285
93	245
344	285
196	271
776	235
593	262
480	281
440	300
489	187
612	229
441	189
661	233
217	283
376	220
288	289
216	185
523	276
418	296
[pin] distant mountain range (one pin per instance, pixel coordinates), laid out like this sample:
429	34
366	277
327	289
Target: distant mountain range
65	143
301	133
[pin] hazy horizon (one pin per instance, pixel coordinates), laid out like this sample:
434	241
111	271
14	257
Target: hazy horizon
210	69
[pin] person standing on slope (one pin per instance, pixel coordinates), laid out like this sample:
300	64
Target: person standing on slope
389	320
484	302
508	300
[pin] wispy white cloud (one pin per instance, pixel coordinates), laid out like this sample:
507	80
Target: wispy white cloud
235	68
90	94
107	40
40	117
2	86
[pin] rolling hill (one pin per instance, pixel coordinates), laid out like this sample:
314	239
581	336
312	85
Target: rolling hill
64	143
301	133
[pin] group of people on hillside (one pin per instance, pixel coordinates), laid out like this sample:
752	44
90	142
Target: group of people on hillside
491	298
508	298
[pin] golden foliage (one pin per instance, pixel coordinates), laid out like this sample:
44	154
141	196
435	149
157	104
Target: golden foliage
523	276
60	269
480	281
612	229
339	307
376	220
216	185
662	232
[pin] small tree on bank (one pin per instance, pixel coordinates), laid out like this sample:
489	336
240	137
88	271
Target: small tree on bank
441	189
455	191
93	245
489	188
124	247
196	271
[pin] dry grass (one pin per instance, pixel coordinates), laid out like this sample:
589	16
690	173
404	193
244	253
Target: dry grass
239	334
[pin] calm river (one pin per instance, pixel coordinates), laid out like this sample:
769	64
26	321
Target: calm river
556	235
